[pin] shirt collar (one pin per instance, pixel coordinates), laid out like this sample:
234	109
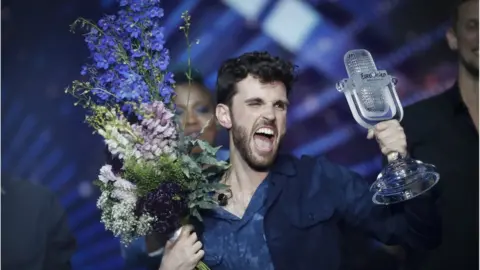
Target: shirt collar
455	99
284	165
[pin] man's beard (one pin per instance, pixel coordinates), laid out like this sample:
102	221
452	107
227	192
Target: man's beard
471	68
241	141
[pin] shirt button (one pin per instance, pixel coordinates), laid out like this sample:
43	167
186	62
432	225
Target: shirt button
311	216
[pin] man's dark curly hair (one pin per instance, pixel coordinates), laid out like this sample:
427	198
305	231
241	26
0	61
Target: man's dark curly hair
261	65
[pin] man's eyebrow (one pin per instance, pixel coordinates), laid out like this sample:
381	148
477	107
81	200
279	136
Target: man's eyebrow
251	100
286	102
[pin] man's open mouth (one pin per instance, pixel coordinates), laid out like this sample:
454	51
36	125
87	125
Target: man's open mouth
264	139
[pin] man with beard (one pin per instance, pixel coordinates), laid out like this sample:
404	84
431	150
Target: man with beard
443	130
283	212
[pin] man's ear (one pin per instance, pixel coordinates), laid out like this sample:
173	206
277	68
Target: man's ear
222	112
452	39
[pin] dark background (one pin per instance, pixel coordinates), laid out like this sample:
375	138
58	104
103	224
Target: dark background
44	139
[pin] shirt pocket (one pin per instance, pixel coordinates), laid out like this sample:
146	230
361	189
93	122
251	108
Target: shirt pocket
310	213
296	220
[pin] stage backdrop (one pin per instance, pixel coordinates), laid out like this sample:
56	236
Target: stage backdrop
44	139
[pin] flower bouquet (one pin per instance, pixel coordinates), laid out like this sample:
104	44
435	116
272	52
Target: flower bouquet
129	101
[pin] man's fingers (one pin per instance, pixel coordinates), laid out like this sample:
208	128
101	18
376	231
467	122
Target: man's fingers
199	255
386	125
186	231
197	246
192	238
370	134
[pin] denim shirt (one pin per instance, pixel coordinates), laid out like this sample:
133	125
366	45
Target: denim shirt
308	200
235	243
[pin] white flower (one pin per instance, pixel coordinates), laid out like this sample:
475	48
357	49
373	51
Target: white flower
124	184
102	200
106	174
124	190
124	195
122	221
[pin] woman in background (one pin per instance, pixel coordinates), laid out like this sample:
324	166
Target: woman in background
195	107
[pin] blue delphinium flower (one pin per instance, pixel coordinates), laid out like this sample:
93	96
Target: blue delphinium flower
129	58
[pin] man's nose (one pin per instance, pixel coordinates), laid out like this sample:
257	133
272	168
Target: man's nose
269	113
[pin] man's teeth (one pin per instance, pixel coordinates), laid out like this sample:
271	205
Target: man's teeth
266	131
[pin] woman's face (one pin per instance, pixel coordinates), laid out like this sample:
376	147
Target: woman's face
195	109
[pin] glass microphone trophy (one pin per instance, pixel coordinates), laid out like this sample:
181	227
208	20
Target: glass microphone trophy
372	99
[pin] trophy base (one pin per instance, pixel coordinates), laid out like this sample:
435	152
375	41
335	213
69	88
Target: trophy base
403	179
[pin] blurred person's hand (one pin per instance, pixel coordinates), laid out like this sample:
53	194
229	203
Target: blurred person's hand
184	253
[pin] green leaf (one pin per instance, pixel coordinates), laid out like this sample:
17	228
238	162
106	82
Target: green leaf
186	172
206	205
149	175
219	186
196	214
205	146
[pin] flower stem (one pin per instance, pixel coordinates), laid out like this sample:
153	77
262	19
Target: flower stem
202	266
185	28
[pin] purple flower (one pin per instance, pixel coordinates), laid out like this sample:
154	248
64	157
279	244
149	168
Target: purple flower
136	6
166	92
107	41
103	24
159	132
106	77
169	78
162	60
138	53
128	55
155	12
134	31
157	45
84	70
100	60
168	203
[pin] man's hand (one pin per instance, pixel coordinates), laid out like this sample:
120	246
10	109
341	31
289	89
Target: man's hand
184	253
390	137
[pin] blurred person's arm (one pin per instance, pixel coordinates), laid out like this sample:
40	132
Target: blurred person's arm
61	244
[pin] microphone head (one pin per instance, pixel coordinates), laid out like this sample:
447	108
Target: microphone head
370	93
359	61
371	98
